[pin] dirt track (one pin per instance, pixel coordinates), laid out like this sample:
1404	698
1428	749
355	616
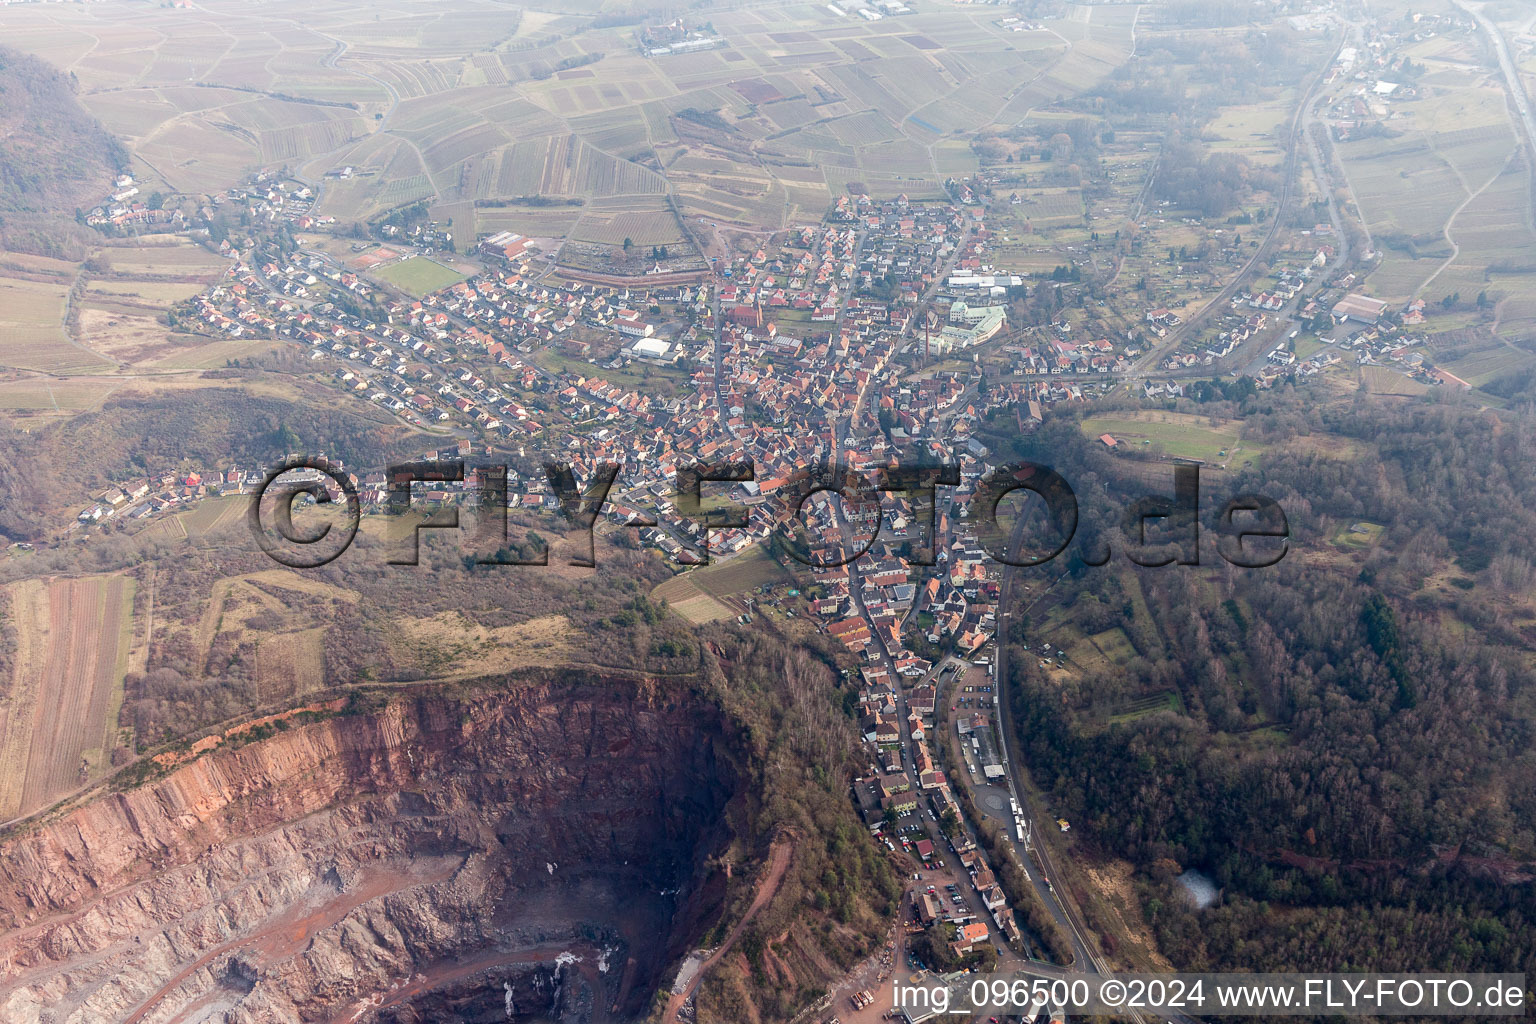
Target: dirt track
778	863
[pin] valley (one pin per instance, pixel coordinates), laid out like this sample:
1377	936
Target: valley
559	736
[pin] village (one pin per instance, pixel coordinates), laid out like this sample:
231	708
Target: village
886	322
675	404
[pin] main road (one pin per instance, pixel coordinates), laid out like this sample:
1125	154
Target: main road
1287	188
1512	80
1088	959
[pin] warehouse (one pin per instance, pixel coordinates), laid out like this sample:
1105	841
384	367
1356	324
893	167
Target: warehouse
1361	308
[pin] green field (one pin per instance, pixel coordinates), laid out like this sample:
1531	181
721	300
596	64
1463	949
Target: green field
419	276
1150	705
1358	535
1178	435
646	378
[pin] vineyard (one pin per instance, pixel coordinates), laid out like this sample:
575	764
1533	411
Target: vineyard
57	724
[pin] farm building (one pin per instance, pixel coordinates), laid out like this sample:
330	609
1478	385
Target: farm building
1362	308
507	245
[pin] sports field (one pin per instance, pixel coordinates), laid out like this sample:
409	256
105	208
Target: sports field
419	276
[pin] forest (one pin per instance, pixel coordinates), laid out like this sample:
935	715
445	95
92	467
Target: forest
53	154
1209	183
1344	740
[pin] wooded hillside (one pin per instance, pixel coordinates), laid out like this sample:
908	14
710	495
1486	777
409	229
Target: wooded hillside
54	156
1342	741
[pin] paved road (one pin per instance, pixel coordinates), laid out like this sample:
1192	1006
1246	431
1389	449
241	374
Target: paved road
1511	73
1088	959
1320	171
1512	79
1287	188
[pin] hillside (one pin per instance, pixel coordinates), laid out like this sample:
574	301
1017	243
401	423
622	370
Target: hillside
54	156
1346	734
44	474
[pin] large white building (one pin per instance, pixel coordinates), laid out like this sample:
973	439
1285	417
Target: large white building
996	284
976	325
654	349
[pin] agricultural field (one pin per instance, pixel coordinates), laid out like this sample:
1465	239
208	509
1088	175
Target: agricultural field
710	592
533	221
113	322
597	242
460	109
128	335
388	172
32	334
1383	380
167	258
151	294
643	227
1479	366
208	355
564	165
1437	195
42	395
1515	295
200	520
58	720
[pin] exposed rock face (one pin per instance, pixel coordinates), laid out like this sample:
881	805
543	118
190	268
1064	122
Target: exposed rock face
536	853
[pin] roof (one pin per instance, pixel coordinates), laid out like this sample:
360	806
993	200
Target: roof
652	346
1361	307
